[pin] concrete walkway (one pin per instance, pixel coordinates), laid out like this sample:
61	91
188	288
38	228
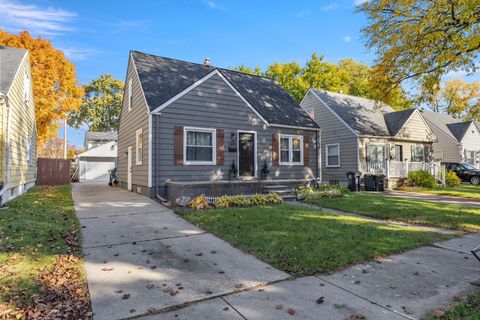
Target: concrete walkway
433	198
140	258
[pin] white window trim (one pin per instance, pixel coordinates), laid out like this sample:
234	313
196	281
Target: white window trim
424	157
290	137
214	146
129	97
326	155
381	144
138	160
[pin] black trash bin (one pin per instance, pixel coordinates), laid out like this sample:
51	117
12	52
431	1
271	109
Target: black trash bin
352	185
370	182
380	183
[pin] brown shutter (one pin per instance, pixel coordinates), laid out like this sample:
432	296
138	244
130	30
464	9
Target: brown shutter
220	147
275	149
306	150
178	146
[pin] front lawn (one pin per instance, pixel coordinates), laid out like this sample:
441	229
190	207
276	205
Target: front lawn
41	272
406	210
467	309
464	191
305	241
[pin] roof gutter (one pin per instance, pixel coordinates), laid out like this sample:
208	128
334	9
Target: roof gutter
7	148
293	127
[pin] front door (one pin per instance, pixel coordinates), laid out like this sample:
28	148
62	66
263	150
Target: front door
246	154
129	169
398	152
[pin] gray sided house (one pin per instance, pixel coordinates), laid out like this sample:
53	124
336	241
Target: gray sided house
458	141
367	136
184	126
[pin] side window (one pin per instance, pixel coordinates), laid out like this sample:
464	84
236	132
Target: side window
26	86
129	97
138	146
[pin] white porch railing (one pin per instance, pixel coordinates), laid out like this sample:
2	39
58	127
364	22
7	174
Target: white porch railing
399	169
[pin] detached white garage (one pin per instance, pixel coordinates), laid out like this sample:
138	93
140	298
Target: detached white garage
94	163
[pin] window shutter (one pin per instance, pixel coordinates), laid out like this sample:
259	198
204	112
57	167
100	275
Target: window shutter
275	149
367	152
220	147
306	150
178	146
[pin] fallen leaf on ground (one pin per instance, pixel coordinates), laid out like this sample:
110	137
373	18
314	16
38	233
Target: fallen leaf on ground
279	307
320	300
291	311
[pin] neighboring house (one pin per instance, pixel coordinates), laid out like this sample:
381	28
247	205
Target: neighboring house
18	134
96	138
367	136
94	163
184	125
458	141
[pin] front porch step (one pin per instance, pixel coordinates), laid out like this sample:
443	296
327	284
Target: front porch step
289	197
275	187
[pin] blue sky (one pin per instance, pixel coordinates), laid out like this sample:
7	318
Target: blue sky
97	35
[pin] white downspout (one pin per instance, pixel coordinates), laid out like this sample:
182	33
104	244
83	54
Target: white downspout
7	149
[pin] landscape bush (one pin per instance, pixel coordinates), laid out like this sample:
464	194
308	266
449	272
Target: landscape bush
421	178
242	201
452	180
331	193
199	203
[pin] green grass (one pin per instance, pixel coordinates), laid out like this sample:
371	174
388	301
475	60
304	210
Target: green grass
468	309
406	210
464	191
304	241
32	234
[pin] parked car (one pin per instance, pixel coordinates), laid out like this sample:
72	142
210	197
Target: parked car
464	171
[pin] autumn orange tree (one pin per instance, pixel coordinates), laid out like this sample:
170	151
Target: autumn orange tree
55	88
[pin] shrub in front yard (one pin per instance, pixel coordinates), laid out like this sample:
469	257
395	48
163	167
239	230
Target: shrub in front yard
199	203
421	178
452	180
242	201
332	193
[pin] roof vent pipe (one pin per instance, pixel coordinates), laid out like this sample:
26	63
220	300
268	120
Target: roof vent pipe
206	61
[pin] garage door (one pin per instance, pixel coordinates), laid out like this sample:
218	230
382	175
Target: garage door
96	169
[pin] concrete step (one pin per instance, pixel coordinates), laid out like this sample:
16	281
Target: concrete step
275	187
289	197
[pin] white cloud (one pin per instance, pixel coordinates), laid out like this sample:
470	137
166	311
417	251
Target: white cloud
214	5
79	54
38	21
347	39
359	2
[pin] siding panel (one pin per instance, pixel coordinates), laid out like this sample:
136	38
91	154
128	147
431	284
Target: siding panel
333	131
214	105
130	122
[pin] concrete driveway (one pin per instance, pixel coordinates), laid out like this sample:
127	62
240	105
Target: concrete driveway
140	257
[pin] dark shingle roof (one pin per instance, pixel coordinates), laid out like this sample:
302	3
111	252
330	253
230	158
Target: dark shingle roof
459	129
396	120
10	59
163	78
364	116
100	136
450	125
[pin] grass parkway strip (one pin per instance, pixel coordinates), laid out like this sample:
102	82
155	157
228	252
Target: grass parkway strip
406	210
303	241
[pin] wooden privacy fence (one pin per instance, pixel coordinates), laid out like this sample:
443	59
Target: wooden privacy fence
53	171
